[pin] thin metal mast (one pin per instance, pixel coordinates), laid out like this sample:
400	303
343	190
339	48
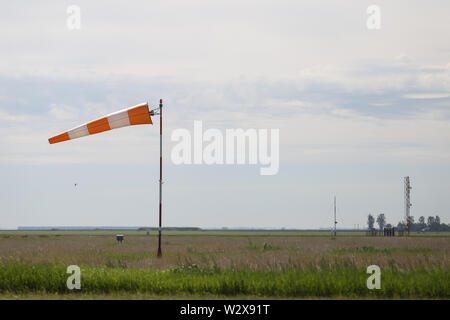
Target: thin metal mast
335	222
160	179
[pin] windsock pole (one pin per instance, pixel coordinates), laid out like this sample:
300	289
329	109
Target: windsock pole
139	114
160	179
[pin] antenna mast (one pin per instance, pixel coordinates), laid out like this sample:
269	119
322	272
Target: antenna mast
408	202
335	222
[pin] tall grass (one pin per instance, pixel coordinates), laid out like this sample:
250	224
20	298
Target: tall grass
233	266
226	252
342	281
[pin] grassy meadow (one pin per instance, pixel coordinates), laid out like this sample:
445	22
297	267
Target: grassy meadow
222	264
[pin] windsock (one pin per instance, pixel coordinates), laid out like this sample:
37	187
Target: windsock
138	114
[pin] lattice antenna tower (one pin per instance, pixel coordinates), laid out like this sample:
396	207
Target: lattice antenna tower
408	202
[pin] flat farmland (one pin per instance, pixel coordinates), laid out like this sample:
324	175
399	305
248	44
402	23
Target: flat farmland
222	264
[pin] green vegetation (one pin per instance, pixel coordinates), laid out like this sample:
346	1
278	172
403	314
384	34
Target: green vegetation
368	250
247	265
430	225
192	280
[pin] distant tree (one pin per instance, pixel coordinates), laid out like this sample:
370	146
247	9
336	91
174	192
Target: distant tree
437	220
370	221
381	220
422	220
389	225
421	225
437	226
431	224
430	221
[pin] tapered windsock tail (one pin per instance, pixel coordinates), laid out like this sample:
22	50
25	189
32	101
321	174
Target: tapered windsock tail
139	114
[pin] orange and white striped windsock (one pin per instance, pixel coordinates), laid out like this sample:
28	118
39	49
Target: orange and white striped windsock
139	114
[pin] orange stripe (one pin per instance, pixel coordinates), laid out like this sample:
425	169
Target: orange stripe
139	115
59	138
99	125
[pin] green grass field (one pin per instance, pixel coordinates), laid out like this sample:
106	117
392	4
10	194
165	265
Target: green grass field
222	264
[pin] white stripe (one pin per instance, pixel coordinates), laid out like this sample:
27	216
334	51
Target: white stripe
118	119
78	132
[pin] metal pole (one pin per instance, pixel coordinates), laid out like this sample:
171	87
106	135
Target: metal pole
335	216
160	178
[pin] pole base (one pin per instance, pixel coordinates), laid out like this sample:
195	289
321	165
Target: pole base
159	255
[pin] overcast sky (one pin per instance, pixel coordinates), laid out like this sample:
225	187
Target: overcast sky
357	110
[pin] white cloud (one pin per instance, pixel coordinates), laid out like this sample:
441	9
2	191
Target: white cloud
5	116
437	95
63	112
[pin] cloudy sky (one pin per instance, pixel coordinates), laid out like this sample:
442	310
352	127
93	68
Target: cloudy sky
357	109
